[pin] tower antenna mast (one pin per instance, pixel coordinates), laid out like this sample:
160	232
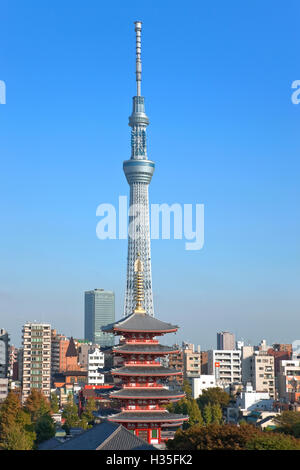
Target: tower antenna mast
138	69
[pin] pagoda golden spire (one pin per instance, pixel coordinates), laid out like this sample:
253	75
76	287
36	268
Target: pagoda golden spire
139	285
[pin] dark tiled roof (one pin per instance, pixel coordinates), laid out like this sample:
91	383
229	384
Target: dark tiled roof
146	371
140	322
147	416
149	393
144	348
104	436
71	351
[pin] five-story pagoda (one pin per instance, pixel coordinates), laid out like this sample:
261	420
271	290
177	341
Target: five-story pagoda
143	391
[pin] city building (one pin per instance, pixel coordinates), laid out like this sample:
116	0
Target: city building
289	380
4	353
59	346
191	361
225	365
204	362
263	376
3	388
225	340
36	358
99	311
94	366
203	382
175	361
251	400
13	363
246	361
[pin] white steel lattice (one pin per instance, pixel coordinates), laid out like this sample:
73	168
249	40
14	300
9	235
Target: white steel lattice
139	242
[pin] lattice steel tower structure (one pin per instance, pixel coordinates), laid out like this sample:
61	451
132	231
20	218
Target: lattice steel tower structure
138	170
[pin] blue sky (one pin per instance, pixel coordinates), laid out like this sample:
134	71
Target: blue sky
223	132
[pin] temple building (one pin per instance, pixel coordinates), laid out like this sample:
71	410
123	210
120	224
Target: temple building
144	390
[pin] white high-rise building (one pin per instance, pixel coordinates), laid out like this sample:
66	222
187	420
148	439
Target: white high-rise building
225	365
95	363
36	358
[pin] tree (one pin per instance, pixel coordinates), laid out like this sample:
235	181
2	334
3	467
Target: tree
217	416
16	428
288	422
213	437
70	414
213	395
87	416
54	403
194	413
273	441
45	428
207	414
37	404
187	390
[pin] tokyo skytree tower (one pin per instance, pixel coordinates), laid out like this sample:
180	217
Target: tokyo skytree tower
138	171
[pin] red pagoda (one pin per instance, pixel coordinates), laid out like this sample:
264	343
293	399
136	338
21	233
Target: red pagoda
143	393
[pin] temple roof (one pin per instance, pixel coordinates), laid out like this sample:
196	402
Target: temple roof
140	322
150	417
155	392
144	348
146	371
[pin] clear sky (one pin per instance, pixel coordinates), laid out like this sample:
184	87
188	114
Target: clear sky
217	80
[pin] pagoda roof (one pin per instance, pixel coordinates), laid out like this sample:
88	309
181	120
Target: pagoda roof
146	371
155	392
140	322
144	348
148	416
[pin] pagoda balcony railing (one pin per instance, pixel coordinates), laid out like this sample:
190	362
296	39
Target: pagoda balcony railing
142	363
141	340
142	385
143	408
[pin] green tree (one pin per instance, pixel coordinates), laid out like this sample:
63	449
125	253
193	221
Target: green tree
87	416
288	422
16	428
207	414
187	390
213	395
70	415
194	413
217	416
273	441
54	403
45	428
37	404
213	437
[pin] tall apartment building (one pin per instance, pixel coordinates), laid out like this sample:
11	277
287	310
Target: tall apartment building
95	364
247	353
225	365
225	340
99	311
191	361
289	380
36	358
176	362
263	374
13	366
59	347
4	353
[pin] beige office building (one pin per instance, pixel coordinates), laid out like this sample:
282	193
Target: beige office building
263	373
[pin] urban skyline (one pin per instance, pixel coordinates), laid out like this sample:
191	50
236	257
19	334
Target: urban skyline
247	273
